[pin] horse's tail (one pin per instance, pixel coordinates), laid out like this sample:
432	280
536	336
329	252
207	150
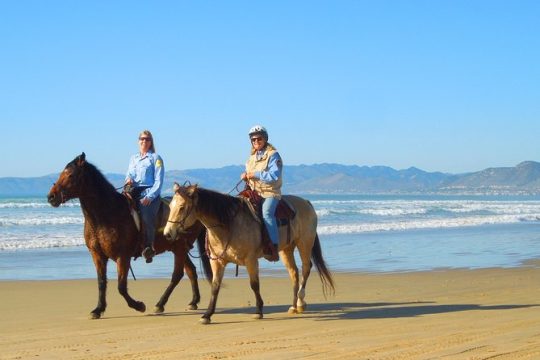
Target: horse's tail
201	245
324	273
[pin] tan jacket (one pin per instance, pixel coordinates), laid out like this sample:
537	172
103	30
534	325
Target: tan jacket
264	189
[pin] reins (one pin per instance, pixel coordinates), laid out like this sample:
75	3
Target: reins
236	187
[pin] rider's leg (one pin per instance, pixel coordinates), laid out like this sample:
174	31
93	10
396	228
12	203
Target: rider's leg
268	211
148	214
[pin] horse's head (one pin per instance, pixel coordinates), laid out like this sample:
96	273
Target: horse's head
182	210
68	184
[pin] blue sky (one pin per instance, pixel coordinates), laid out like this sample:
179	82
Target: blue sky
450	86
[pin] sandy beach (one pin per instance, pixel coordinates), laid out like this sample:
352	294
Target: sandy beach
450	314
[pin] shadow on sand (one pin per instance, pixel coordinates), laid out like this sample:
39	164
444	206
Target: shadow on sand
354	311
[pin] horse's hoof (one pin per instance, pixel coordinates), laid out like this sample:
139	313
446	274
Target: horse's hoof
94	316
140	306
301	309
292	310
257	316
204	321
192	307
159	310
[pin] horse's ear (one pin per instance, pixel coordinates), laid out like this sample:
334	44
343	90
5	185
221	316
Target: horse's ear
81	159
176	187
192	189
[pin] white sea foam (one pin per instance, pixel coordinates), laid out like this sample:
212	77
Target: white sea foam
39	242
403	208
356	228
40	221
34	205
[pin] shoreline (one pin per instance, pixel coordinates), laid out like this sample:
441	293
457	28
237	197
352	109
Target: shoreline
456	313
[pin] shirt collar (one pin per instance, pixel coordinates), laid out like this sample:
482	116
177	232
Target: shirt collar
148	153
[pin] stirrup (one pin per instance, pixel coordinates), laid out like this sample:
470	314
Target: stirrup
148	253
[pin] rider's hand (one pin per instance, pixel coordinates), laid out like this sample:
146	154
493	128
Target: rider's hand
244	176
145	201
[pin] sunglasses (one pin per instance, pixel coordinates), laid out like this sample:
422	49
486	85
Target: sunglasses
253	139
145	139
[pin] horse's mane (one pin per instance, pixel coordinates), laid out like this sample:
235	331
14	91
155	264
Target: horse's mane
221	206
91	176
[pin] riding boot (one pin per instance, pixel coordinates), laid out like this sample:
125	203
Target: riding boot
148	254
271	252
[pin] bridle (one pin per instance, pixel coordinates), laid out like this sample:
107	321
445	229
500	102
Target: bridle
208	249
182	222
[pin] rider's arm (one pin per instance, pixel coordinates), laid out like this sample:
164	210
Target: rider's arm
273	171
130	174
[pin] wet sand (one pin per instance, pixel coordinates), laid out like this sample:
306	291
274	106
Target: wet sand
446	314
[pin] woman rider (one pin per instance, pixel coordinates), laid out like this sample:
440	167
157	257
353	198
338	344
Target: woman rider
145	175
263	174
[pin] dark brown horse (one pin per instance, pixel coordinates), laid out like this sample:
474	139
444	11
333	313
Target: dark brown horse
110	233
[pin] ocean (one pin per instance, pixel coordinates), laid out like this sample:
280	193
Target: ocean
365	233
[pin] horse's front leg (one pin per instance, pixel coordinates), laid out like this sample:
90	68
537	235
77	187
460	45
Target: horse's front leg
218	269
252	267
100	262
122	266
178	273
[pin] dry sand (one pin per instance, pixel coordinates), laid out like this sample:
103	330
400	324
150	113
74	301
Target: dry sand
447	314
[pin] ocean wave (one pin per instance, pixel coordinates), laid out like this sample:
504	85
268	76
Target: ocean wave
34	205
40	221
358	228
40	243
376	212
400	208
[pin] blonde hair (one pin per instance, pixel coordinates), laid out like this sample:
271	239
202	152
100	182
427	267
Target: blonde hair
149	134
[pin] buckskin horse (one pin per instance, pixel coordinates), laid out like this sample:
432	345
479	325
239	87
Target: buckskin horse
234	235
110	233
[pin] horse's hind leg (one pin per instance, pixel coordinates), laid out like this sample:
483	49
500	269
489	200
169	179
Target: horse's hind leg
305	256
177	275
252	267
100	263
122	265
191	271
288	259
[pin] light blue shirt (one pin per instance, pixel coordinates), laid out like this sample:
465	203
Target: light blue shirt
148	171
273	171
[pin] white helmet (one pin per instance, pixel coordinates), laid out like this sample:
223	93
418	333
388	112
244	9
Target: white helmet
258	129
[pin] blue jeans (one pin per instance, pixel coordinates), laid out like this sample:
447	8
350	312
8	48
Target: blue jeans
148	215
268	211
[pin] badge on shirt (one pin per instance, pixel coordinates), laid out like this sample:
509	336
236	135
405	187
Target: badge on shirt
159	163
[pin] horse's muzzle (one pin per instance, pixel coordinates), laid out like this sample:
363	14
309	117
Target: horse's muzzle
54	199
169	233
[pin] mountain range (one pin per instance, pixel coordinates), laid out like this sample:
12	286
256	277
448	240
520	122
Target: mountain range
523	178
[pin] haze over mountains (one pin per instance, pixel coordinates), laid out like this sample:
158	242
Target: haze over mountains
523	178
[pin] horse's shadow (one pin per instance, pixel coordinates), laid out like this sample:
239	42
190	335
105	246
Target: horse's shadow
378	310
349	311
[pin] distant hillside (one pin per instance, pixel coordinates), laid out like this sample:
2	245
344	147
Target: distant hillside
523	178
333	178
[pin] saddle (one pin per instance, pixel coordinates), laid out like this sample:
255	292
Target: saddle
285	212
132	194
